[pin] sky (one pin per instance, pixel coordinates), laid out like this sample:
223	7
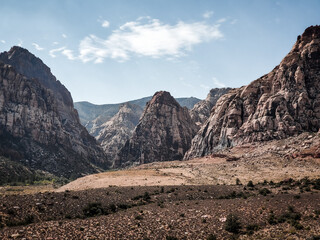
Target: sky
111	51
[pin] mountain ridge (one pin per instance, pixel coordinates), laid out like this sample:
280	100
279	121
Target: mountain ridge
282	103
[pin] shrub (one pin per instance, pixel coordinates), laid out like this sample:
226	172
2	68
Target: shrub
211	237
93	209
238	182
250	184
232	224
264	191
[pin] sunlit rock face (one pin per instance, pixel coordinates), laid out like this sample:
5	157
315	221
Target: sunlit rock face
282	103
164	133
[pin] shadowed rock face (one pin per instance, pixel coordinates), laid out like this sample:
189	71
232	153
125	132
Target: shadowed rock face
280	104
163	133
38	125
114	133
201	110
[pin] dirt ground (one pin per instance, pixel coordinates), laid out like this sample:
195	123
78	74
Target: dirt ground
256	162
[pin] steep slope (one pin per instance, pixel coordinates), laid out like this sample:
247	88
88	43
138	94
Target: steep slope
201	110
92	116
38	125
114	133
283	103
163	133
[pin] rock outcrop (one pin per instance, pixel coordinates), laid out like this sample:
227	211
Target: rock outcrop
280	104
201	110
39	127
164	133
114	133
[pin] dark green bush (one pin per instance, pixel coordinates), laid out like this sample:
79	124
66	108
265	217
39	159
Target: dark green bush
264	191
93	209
233	224
250	184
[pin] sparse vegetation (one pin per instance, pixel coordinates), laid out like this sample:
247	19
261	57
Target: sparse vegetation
232	224
93	209
250	184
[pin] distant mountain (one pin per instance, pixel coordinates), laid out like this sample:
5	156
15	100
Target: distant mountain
201	110
114	133
282	103
164	133
39	127
92	116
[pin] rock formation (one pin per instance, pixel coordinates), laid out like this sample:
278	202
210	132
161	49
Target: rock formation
39	127
163	133
283	103
114	133
201	110
92	116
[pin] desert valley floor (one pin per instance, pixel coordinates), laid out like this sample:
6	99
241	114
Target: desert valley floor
180	199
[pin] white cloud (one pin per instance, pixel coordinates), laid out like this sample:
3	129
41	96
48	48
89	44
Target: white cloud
69	54
218	83
64	51
55	43
221	20
3	41
64	35
105	24
208	14
150	38
53	51
36	46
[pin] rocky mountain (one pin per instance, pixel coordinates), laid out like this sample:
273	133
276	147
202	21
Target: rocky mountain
164	133
201	110
114	133
282	103
39	127
92	116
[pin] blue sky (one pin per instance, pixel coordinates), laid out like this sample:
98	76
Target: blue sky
114	51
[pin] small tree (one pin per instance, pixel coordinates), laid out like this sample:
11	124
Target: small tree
233	224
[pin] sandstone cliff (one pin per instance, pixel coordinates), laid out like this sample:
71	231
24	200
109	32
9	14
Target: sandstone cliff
163	133
114	133
280	104
201	110
38	125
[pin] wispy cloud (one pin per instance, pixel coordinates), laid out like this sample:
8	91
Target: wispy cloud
218	83
36	46
148	37
3	41
208	14
55	43
53	52
64	51
64	35
105	24
221	20
69	54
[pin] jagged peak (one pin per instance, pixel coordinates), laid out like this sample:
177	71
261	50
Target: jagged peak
163	97
311	32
